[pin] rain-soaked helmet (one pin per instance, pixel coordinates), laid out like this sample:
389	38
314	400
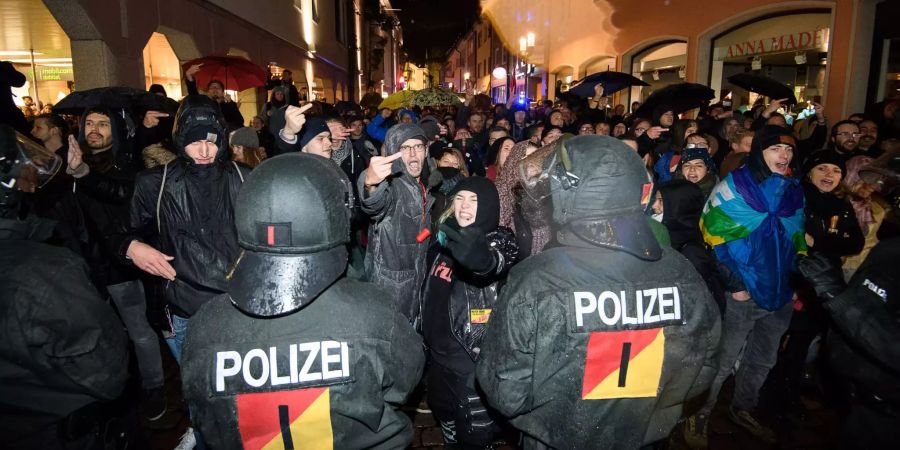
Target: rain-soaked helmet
200	118
293	221
24	167
599	189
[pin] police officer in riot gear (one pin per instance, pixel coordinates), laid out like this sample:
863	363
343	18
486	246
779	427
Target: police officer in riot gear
597	343
64	351
296	355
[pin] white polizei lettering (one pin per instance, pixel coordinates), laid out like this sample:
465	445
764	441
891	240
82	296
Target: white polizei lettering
222	371
292	357
677	300
649	317
264	363
664	302
662	305
277	380
581	309
625	319
639	301
345	359
601	308
313	349
328	359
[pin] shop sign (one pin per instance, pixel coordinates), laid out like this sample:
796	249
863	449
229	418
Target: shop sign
55	73
802	40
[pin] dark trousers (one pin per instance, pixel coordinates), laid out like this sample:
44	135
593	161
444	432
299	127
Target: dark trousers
457	405
870	426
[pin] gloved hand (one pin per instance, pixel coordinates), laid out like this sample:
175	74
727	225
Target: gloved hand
824	275
469	247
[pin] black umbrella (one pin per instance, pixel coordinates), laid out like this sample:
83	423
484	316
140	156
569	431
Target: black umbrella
612	82
680	97
115	97
763	85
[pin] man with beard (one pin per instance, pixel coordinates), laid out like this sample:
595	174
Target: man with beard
845	139
394	196
868	138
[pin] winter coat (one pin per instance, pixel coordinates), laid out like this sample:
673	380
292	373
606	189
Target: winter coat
399	209
479	292
192	219
552	364
832	223
345	364
101	198
864	348
63	346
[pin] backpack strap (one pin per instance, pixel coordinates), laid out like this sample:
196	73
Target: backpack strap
162	187
238	171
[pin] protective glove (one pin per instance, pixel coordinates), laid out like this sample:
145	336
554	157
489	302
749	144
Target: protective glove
823	274
469	247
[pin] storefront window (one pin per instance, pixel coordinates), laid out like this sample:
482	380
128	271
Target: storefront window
792	49
161	66
658	66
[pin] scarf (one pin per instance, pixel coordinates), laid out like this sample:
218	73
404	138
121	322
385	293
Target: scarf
339	155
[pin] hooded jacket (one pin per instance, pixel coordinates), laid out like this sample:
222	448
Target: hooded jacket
63	346
471	295
399	208
186	210
102	197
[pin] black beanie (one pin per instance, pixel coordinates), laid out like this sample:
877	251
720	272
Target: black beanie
487	217
764	138
824	157
312	128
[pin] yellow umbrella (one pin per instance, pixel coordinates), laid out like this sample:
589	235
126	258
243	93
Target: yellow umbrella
396	100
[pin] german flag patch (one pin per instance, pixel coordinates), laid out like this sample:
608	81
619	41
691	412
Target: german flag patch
297	419
623	364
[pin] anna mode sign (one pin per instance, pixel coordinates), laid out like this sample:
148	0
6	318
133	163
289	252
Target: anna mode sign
801	40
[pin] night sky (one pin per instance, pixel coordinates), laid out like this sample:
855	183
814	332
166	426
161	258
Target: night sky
431	27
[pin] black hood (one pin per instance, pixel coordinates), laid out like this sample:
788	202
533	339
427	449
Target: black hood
659	111
487	216
119	125
682	204
200	117
764	138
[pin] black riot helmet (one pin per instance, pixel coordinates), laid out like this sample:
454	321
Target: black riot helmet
599	189
200	118
293	221
24	166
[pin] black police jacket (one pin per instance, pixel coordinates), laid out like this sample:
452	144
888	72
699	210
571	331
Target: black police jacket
595	348
63	346
191	219
867	317
330	375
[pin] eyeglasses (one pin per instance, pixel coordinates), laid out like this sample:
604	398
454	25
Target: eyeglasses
848	134
640	130
408	149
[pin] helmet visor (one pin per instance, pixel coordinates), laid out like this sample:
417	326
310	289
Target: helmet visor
546	171
35	166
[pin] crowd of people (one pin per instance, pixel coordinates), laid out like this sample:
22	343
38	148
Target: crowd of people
570	270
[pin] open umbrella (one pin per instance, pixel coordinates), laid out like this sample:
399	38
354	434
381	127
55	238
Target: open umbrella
763	85
612	82
432	97
235	72
396	100
115	97
680	97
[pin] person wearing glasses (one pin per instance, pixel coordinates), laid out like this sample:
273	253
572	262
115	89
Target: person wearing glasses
845	139
399	206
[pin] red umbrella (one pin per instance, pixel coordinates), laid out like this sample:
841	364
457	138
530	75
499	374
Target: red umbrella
237	73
